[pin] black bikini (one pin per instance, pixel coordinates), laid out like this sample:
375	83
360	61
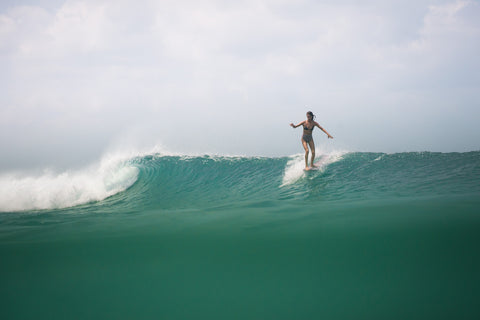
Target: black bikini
307	137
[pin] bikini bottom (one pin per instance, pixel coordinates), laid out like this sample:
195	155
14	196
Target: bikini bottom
307	138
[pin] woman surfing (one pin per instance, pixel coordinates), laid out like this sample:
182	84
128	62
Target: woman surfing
307	138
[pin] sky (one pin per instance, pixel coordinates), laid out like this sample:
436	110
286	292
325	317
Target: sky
228	77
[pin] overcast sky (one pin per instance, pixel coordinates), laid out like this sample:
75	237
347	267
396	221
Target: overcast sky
228	77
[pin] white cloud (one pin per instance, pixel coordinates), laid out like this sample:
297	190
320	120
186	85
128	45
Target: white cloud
108	65
79	27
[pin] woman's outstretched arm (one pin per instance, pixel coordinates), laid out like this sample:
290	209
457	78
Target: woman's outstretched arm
328	134
298	125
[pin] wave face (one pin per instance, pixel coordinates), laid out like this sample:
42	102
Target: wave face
202	182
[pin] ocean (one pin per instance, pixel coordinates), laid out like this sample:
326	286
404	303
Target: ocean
157	236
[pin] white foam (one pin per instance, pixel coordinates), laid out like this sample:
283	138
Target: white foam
51	190
295	168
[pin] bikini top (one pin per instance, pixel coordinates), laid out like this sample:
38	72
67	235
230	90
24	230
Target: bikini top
306	128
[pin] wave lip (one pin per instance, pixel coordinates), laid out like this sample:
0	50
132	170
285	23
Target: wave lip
67	189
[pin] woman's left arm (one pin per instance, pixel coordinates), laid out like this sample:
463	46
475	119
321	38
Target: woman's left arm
328	134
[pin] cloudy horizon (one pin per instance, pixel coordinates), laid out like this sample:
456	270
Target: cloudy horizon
228	77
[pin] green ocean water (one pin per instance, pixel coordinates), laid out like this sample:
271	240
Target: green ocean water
367	236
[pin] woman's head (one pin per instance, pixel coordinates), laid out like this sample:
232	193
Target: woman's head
310	115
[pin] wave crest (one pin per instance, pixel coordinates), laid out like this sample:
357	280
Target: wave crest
52	190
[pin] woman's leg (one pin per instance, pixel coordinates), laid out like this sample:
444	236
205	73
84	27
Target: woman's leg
305	146
312	147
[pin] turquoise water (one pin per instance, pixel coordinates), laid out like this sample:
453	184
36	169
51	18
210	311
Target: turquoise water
367	236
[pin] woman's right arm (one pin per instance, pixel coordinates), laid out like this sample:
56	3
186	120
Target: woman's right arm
298	125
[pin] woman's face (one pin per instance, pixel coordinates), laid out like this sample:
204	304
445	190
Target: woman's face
309	116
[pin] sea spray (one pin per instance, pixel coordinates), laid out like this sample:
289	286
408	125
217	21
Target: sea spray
53	190
295	168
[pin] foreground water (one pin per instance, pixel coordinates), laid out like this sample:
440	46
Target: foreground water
367	236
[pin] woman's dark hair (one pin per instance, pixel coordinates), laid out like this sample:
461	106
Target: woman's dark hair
311	114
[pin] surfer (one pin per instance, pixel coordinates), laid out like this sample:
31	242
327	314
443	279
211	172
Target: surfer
307	138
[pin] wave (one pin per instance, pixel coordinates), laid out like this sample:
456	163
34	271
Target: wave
52	190
157	181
